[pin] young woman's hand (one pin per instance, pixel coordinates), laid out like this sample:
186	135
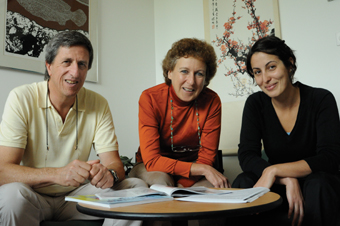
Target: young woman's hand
295	200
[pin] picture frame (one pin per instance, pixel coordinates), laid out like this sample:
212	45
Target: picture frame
37	64
232	27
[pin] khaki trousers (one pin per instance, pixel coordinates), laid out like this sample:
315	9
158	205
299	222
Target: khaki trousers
21	205
157	177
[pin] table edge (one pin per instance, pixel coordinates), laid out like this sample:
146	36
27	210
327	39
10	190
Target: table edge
180	215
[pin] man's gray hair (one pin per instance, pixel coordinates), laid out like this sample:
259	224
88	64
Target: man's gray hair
66	39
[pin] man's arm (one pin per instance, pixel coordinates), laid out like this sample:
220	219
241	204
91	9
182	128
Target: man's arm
100	175
74	174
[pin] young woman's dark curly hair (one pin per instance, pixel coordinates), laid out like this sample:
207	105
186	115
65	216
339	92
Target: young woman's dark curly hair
274	46
190	47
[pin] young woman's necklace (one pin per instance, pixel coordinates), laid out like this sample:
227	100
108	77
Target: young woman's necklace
172	129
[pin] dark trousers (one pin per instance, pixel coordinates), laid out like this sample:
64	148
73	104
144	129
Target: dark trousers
321	193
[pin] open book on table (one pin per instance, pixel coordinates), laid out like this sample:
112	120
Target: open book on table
120	198
234	196
159	193
158	189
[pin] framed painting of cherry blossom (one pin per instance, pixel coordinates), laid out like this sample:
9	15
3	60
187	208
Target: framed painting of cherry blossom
27	26
232	27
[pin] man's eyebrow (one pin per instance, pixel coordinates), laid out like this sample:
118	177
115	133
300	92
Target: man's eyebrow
83	62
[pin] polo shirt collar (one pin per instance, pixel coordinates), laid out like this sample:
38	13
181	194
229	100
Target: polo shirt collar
42	91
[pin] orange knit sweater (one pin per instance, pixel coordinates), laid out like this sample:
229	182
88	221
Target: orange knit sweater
154	131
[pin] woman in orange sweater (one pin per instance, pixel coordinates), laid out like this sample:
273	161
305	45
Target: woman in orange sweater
180	121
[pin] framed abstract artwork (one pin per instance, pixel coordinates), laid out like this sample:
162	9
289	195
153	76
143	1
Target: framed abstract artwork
27	26
232	27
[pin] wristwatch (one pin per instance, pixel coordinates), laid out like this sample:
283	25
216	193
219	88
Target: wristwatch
114	174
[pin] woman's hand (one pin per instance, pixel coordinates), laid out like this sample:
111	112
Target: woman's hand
268	178
211	174
295	200
271	175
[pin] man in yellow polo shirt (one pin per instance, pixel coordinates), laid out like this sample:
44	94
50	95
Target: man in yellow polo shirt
49	127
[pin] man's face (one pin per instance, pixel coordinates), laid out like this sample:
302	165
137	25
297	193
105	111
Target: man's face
68	72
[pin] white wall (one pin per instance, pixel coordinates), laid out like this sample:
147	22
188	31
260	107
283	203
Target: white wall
309	27
174	20
126	65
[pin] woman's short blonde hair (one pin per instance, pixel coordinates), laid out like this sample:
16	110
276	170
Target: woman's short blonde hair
190	47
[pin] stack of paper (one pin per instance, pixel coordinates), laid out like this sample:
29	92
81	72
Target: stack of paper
235	196
125	197
184	192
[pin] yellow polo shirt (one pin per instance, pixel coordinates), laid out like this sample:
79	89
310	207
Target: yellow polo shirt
23	125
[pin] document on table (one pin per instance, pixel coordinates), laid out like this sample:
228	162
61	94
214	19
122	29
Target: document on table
183	192
235	196
131	192
124	197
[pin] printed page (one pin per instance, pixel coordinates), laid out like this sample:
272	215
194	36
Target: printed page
235	196
183	192
132	192
123	201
